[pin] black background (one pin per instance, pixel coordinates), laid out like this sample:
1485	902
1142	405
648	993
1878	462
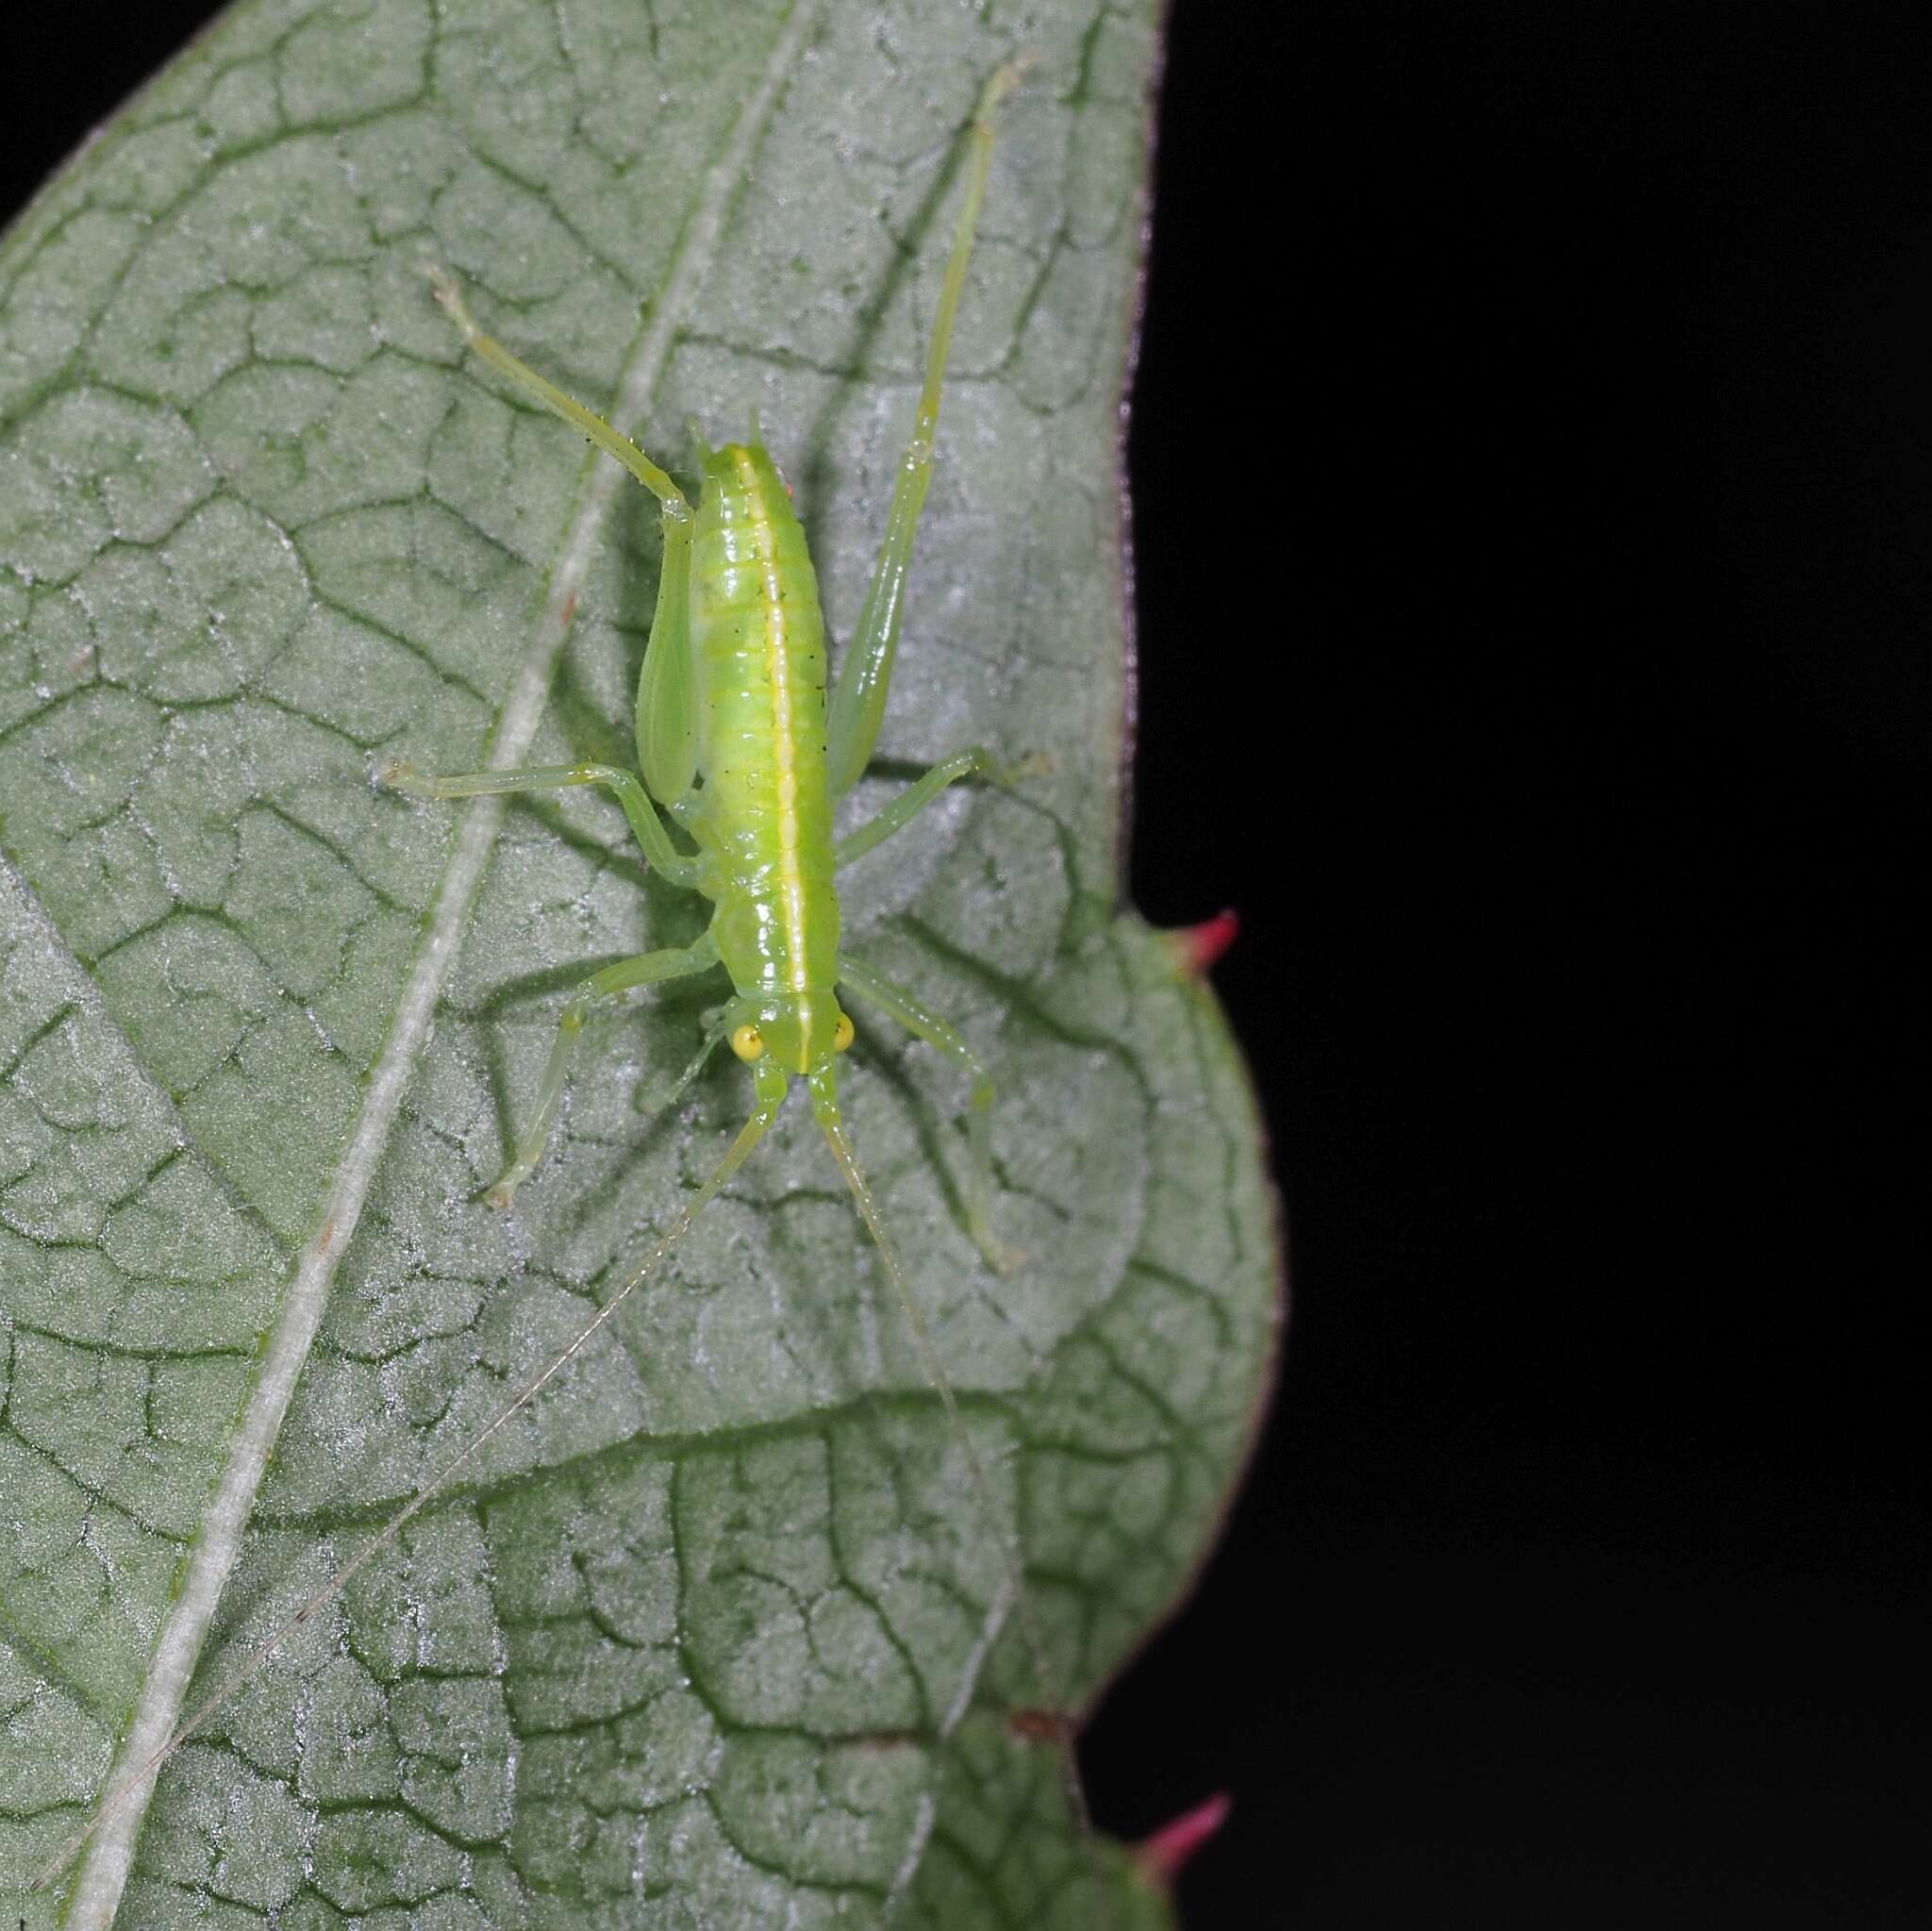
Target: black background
1535	558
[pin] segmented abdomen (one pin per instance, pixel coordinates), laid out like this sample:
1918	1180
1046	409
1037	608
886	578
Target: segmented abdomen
760	647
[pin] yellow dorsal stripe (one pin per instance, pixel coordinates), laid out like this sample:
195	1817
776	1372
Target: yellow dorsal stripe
783	736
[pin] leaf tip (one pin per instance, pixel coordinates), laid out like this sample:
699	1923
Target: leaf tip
1162	1857
1197	948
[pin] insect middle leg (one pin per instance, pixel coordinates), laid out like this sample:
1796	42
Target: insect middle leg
923	1023
646	969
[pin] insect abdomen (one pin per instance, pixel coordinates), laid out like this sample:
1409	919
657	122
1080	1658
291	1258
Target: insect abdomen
759	645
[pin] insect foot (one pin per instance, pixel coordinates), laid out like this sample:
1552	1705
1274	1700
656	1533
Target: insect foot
451	297
1009	771
1003	1259
399	775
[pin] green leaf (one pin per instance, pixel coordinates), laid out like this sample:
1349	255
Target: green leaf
717	1631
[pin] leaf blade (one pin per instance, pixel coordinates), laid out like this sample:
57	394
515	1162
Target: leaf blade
193	805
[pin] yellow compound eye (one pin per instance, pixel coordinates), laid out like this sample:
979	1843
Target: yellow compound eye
842	1034
747	1043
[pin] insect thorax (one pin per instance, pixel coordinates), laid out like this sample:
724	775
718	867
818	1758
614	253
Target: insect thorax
760	650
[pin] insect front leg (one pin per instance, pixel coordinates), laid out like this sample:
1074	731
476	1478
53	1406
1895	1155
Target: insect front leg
923	1023
646	969
654	1099
865	678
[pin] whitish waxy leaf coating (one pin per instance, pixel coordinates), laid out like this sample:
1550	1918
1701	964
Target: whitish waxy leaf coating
716	1635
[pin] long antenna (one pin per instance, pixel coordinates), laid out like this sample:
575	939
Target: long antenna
825	1108
253	1665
